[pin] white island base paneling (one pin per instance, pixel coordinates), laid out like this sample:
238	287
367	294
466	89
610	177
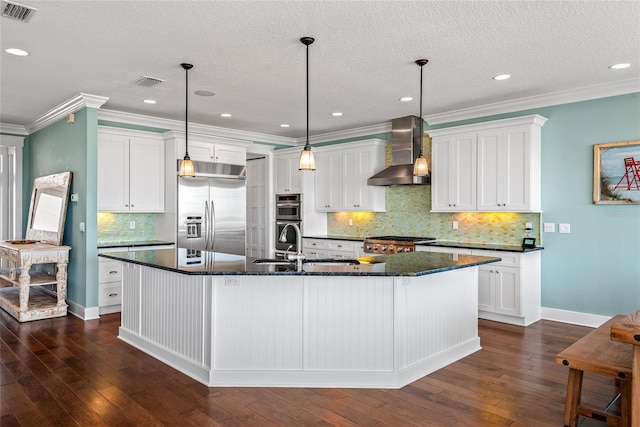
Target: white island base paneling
301	330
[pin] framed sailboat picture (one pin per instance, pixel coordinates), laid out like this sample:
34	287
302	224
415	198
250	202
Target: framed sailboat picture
616	173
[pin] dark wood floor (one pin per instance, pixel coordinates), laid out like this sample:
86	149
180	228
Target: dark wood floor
69	372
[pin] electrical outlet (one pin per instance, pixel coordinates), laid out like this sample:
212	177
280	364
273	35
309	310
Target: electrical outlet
455	225
350	222
528	226
132	225
81	226
564	228
231	281
549	227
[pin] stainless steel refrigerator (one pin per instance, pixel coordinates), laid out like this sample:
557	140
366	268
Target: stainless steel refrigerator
212	209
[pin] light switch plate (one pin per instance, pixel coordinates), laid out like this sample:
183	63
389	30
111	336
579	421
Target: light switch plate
564	228
549	227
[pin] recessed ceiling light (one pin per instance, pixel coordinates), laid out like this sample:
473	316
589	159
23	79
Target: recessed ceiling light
284	125
406	98
204	93
336	114
225	115
16	51
619	66
149	101
502	77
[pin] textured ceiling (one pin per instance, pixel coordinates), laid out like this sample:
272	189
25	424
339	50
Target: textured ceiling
249	54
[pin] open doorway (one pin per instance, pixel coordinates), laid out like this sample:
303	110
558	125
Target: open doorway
11	187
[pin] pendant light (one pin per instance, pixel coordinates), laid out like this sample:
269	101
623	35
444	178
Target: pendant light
307	160
186	165
421	167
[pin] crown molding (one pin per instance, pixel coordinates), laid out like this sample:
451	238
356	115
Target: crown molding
532	119
13	129
346	134
178	125
72	105
556	98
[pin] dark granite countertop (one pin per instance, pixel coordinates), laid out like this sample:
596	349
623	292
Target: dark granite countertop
132	244
485	246
216	263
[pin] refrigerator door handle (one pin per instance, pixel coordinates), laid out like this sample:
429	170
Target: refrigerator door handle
206	225
213	223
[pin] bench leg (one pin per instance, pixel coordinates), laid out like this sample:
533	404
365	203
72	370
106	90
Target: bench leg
574	388
625	403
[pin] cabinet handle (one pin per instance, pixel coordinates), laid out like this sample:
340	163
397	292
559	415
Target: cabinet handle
113	272
132	205
339	246
314	244
126	206
113	295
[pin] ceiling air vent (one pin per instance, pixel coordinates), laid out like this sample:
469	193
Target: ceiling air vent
17	11
147	81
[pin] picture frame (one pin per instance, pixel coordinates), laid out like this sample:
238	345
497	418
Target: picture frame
616	173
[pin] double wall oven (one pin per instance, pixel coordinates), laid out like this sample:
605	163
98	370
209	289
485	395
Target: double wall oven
288	209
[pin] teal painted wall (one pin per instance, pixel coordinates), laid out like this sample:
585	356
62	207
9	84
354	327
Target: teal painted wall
596	268
72	147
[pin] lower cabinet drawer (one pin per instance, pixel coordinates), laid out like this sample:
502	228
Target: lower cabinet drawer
109	271
109	294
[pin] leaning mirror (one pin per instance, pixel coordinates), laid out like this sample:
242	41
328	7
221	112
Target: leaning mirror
48	209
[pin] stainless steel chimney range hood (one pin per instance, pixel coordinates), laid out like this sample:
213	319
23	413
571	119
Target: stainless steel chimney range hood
406	141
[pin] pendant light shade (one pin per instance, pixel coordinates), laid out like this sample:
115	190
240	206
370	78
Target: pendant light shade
307	160
421	167
186	165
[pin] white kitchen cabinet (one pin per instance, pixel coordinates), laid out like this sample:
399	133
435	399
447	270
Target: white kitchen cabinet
507	166
453	173
341	177
329	248
314	248
329	171
130	171
109	285
490	166
207	151
287	174
509	291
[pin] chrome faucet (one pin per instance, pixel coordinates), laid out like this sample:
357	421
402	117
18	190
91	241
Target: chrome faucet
298	257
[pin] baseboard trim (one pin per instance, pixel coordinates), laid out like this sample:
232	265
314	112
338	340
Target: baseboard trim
85	313
574	317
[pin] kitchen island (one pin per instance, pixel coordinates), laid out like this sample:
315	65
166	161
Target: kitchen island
226	321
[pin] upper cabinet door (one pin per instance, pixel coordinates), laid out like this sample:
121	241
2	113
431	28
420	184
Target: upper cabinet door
287	174
488	166
131	167
453	185
146	175
113	173
504	170
328	187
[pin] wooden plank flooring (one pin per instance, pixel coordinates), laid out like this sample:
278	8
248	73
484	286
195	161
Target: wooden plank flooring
68	372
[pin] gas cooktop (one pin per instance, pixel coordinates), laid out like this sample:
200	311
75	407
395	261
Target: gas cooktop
402	239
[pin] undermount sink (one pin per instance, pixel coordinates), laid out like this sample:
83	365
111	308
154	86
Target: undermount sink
268	261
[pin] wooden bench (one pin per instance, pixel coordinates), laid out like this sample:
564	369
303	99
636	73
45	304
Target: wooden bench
628	331
598	354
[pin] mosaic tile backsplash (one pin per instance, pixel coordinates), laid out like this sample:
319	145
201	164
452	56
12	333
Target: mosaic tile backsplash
408	215
114	227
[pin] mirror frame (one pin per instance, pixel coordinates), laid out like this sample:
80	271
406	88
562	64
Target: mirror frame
61	182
